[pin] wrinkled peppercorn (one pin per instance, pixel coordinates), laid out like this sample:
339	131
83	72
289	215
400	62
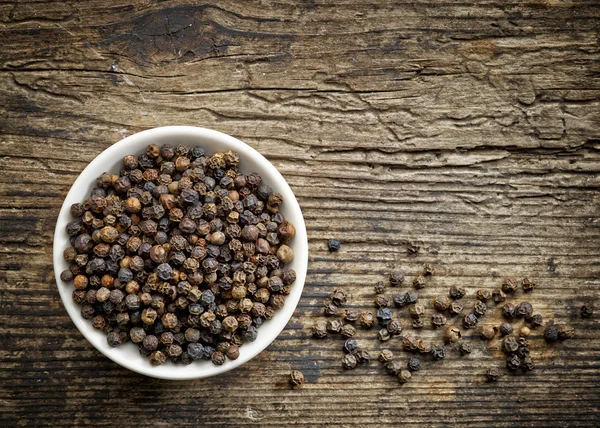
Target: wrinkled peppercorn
510	284
509	311
418	323
349	361
333	245
399	300
498	295
492	374
350	346
465	348
381	301
483	295
414	364
338	296
565	331
379	287
438	320
384	335
366	319
524	310
362	356
296	378
396	279
404	376
348	330
452	334
386	356
394	327
536	320
587	310
457	292
352	314
330	309
393	367
442	303
513	362
470	321
488	332
417	311
455	308
438	352
384	316
334	326
419	282
510	344
506	329
319	330
551	332
480	309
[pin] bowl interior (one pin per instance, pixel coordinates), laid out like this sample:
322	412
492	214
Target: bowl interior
109	160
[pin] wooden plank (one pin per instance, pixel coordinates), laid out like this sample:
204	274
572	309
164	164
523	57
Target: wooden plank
468	129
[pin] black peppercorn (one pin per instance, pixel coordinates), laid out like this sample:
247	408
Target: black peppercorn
399	300
510	345
457	292
480	309
396	279
483	295
350	346
513	362
319	330
386	356
394	327
470	321
493	374
414	364
333	245
330	309
438	352
418	323
498	295
348	330
438	320
384	316
528	285
411	297
587	310
506	329
455	308
551	332
524	310
536	320
338	296
509	311
465	348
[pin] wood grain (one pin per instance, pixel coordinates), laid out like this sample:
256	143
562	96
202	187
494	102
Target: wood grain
468	129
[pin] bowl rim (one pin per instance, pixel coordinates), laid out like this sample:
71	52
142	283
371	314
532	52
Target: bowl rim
79	190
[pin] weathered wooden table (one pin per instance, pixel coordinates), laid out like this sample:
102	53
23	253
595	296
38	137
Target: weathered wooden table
470	130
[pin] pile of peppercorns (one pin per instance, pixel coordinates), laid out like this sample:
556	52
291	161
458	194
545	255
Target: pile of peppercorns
181	254
516	347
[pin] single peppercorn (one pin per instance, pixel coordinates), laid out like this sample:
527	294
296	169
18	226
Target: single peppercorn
488	332
510	345
438	352
498	295
417	311
366	319
319	330
418	323
551	333
348	330
381	301
399	300
414	364
394	327
441	303
338	296
379	287
396	279
470	321
452	334
510	284
350	346
333	245
114	339
493	374
329	309
409	343
513	362
565	331
404	376
528	285
384	316
483	295
352	314
419	282
509	310
386	356
296	378
455	308
480	309
438	320
349	362
334	326
536	320
587	310
524	310
393	367
411	297
465	348
384	335
527	364
506	329
362	356
525	331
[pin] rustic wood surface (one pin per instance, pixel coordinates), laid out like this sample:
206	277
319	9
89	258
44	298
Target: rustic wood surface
470	130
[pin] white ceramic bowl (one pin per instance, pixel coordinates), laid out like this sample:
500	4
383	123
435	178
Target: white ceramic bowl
109	160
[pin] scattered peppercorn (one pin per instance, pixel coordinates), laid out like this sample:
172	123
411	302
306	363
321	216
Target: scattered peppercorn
457	293
509	310
348	330
334	326
524	310
330	309
319	330
417	311
510	344
419	282
350	346
506	329
510	284
393	367
479	309
465	348
513	362
488	332
338	296
438	320
394	327
404	376
551	332
362	356
396	279
441	303
525	331
498	295
381	301
384	335
349	361
366	319
414	364
333	244
452	334
483	295
352	314
565	331
587	310
536	320
386	356
296	378
411	297
455	308
384	316
379	287
470	321
493	374
438	352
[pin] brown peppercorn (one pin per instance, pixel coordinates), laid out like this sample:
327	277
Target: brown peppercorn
348	330
409	344
352	314
510	284
488	332
404	376
383	335
441	303
334	326
232	352
394	327
528	285
492	374
386	356
456	308
329	309
417	311
452	334
338	296
483	295
587	310
366	320
465	348
157	358
419	282
525	331
428	269
457	293
319	330
565	331
438	320
393	367
80	282
418	323
396	279
381	301
230	323
286	231
296	378
470	320
285	254
349	361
